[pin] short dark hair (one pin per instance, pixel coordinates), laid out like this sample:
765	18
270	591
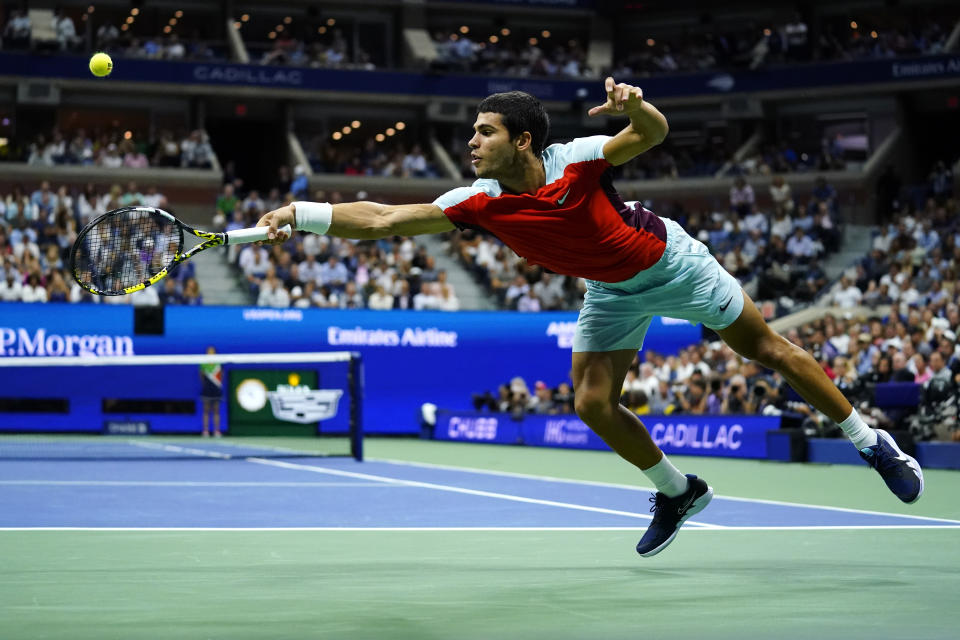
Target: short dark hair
520	112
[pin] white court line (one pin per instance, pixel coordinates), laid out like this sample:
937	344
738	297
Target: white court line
595	483
452	489
914	527
183	483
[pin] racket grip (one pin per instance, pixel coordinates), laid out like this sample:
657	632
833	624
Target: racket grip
253	234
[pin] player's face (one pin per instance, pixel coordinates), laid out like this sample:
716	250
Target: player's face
491	150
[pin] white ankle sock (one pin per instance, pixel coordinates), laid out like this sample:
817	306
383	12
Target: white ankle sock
666	478
857	430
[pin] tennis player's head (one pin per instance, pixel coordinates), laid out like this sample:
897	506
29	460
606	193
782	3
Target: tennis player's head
510	129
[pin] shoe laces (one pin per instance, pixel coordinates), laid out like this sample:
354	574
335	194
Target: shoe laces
659	501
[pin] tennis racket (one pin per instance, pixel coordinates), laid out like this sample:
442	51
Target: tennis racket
129	249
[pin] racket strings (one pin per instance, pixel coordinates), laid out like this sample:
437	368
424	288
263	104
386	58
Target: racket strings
125	249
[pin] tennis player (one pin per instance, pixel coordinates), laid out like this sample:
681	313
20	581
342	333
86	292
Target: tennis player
558	208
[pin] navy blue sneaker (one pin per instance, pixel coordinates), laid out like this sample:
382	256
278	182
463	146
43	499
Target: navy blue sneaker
901	472
669	514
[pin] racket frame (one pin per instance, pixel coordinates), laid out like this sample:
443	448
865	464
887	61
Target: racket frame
211	239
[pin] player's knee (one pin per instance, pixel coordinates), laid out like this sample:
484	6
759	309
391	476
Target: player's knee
776	352
591	405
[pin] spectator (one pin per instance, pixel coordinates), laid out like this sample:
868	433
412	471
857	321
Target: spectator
543	398
426	299
132	157
19	30
227	200
446	301
272	292
33	290
528	302
938	367
191	293
168	152
694	399
11	290
823	192
196	153
941	182
351	298
299	187
174	49
801	247
66	31
847	295
737	400
563	399
107	36
741	197
110	157
415	163
333	274
170	292
924	372
380	300
781	195
57	290
326	298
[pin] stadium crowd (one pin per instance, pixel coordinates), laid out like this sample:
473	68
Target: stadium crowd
710	45
328	52
498	55
332	273
106	35
38	229
114	148
370	158
888	34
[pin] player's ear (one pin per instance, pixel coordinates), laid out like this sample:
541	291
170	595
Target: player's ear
523	141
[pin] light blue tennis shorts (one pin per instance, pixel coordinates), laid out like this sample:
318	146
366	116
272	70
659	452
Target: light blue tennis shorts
687	282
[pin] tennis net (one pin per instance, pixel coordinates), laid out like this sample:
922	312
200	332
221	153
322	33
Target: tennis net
157	406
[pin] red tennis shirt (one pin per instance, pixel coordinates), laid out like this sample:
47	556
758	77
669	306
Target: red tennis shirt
577	224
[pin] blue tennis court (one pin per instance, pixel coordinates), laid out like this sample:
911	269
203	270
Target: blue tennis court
256	492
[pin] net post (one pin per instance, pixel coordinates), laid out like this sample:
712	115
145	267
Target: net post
355	382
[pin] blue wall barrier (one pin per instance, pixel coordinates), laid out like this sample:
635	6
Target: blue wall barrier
725	436
930	455
410	357
86	389
795	77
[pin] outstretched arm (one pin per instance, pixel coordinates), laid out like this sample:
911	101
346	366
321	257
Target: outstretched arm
648	127
362	220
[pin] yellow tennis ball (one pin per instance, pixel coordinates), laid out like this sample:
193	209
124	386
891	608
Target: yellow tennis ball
101	65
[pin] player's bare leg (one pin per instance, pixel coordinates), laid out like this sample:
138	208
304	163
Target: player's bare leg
597	383
752	338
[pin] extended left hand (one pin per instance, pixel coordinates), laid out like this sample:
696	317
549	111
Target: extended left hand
621	99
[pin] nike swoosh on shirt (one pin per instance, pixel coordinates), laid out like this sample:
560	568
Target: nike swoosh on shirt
563	199
727	304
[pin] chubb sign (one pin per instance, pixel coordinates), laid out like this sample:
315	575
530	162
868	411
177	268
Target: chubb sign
20	341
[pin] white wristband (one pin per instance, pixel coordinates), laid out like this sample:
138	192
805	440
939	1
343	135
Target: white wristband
313	216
